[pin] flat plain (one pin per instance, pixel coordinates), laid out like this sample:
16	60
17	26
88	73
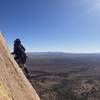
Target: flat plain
62	76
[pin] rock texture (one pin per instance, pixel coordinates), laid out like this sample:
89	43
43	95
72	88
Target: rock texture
13	83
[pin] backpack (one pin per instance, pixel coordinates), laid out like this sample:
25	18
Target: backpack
23	58
22	53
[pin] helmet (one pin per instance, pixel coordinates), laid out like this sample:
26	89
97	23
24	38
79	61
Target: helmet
17	41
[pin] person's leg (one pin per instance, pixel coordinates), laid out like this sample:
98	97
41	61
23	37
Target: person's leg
26	70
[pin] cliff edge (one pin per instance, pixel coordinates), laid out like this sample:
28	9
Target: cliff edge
13	83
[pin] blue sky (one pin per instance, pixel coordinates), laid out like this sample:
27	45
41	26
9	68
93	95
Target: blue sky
52	25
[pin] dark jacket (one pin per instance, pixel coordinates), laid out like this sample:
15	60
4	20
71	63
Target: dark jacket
19	51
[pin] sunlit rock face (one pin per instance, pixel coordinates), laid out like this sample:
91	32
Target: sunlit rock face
13	83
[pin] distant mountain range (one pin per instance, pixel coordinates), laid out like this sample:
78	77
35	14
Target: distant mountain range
59	53
45	53
63	54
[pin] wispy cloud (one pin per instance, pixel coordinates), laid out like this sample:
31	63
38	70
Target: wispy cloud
92	6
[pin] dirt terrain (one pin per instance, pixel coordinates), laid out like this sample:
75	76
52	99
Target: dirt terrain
13	83
60	76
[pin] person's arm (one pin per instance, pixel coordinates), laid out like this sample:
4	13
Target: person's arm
12	53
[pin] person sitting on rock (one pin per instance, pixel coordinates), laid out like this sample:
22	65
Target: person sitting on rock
19	51
20	55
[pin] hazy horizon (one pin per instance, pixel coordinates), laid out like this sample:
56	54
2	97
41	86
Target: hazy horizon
61	52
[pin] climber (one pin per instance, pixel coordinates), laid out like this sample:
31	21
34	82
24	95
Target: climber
20	55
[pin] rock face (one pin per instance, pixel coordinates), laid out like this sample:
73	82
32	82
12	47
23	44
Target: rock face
13	83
